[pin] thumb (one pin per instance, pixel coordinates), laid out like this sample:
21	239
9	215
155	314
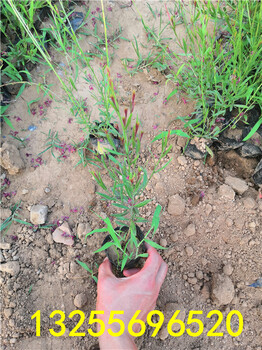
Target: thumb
105	269
130	272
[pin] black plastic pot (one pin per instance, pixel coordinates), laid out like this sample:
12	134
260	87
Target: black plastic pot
134	262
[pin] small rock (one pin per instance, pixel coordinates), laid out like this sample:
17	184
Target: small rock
199	275
82	230
80	300
5	213
181	141
163	242
249	203
249	150
10	158
8	312
190	230
182	160
238	185
205	291
38	214
208	209
163	333
192	280
228	269
257	176
174	237
5	245
47	190
222	289
193	152
11	267
49	238
229	222
24	191
189	250
226	191
63	235
176	205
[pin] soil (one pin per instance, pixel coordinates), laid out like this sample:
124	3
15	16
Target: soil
214	243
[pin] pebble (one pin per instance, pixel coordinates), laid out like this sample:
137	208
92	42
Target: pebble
8	312
5	245
163	242
174	237
163	333
24	191
228	269
49	238
38	214
182	160
176	205
239	186
199	275
80	300
10	158
249	203
190	230
192	280
11	267
47	190
82	230
62	234
208	209
229	222
189	250
205	291
226	192
222	289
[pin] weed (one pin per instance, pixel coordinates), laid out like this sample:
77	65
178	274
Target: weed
87	269
52	143
14	217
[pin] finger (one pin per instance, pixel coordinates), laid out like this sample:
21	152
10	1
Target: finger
105	269
153	261
130	272
161	274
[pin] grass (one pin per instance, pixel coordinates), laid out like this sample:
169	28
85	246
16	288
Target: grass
221	76
14	217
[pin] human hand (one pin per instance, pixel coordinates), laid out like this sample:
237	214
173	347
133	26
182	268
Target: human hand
138	291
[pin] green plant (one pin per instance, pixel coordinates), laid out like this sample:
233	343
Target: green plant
157	57
223	69
14	217
87	269
129	179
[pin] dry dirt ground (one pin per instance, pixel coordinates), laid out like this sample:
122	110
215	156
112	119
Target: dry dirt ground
214	238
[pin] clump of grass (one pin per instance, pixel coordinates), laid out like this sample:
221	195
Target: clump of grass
14	217
223	69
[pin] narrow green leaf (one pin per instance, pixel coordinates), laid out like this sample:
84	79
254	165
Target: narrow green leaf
124	262
209	151
171	94
104	247
172	132
142	203
254	129
96	230
8	122
154	244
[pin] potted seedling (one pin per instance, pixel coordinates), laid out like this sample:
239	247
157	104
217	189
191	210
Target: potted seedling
125	244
